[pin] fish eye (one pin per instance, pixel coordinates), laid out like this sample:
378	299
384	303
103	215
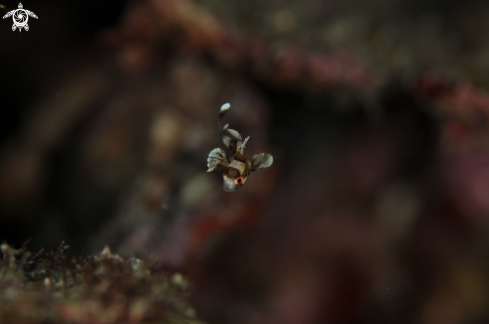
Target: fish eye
239	180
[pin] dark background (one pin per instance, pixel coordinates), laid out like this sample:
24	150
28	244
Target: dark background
65	40
30	59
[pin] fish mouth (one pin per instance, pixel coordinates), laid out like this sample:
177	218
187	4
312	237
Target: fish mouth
229	185
227	189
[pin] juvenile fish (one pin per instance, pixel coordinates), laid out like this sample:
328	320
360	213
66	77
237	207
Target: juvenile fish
238	168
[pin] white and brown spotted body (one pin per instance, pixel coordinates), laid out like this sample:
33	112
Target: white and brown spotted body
238	167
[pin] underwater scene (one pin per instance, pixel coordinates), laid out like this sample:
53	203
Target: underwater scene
244	162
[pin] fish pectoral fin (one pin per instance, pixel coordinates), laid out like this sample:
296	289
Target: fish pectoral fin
217	160
261	161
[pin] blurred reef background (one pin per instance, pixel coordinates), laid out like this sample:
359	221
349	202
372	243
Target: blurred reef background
376	209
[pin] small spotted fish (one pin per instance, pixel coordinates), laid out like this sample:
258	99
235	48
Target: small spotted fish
238	168
4	9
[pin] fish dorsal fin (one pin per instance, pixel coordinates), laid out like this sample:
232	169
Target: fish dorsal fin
231	139
243	145
234	134
241	151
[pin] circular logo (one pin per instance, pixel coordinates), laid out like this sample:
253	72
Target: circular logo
20	18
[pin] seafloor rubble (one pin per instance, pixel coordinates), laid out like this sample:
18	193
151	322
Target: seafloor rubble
101	288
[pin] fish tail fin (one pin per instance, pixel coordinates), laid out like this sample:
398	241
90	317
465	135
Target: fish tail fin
230	137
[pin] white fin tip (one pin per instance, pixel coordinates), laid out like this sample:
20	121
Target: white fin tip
245	141
226	106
